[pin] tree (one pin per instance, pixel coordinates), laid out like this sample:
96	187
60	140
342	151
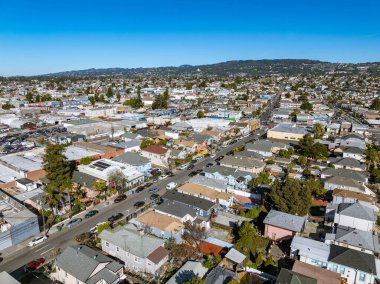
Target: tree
309	149
286	153
109	93
306	106
302	160
212	261
371	156
318	130
101	187
92	100
58	172
103	226
7	106
85	161
375	104
290	197
262	178
118	180
194	234
200	114
29	97
195	280
319	151
166	94
160	103
315	187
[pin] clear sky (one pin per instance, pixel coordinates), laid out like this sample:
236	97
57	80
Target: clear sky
42	36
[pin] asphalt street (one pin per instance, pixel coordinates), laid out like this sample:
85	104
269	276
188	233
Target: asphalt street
66	237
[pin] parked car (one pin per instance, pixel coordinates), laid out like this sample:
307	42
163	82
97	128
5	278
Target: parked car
149	184
154	196
91	213
212	156
34	264
37	240
171	185
139	204
153	189
163	177
209	165
193	174
140	188
182	167
120	198
115	217
170	174
74	222
190	167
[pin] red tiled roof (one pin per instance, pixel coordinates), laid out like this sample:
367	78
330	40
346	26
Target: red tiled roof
156	149
208	248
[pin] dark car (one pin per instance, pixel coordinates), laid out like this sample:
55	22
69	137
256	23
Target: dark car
139	204
220	158
74	222
140	188
149	184
91	213
230	153
153	189
170	174
34	264
209	165
115	217
199	171
154	196
192	174
190	167
120	198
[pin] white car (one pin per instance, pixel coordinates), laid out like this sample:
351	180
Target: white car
37	240
212	156
183	167
163	177
171	185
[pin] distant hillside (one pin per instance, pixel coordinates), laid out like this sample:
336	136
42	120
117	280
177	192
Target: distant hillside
236	67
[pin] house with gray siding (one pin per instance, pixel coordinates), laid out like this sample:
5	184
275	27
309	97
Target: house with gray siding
140	252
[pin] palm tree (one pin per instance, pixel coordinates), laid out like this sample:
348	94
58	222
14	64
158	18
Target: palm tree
318	130
52	198
101	186
372	157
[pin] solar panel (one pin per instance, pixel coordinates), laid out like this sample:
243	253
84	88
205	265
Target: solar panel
101	165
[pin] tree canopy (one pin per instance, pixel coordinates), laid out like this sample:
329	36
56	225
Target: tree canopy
290	196
375	104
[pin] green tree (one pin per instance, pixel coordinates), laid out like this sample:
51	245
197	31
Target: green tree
318	130
375	104
58	172
103	226
306	106
160	103
29	97
7	106
290	197
166	94
286	153
302	160
86	161
262	178
200	114
315	187
371	156
109	93
195	280
92	100
249	241
101	187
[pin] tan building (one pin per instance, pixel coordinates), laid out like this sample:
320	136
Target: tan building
286	131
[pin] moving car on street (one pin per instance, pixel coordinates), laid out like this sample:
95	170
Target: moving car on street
91	213
74	222
120	198
37	240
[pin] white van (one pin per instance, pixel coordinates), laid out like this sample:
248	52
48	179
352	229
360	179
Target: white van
171	185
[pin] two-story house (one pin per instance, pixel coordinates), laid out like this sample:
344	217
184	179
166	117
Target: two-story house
140	252
158	155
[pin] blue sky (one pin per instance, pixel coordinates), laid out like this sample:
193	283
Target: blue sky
38	37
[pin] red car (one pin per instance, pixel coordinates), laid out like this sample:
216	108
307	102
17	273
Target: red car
34	264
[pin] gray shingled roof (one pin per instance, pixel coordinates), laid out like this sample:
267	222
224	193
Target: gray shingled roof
290	277
347	173
196	202
81	261
132	159
357	238
350	162
226	171
189	270
242	162
131	240
346	181
284	220
176	209
352	258
356	210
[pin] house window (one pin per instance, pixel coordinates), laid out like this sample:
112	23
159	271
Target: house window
342	270
66	274
335	268
137	259
362	276
117	248
107	244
